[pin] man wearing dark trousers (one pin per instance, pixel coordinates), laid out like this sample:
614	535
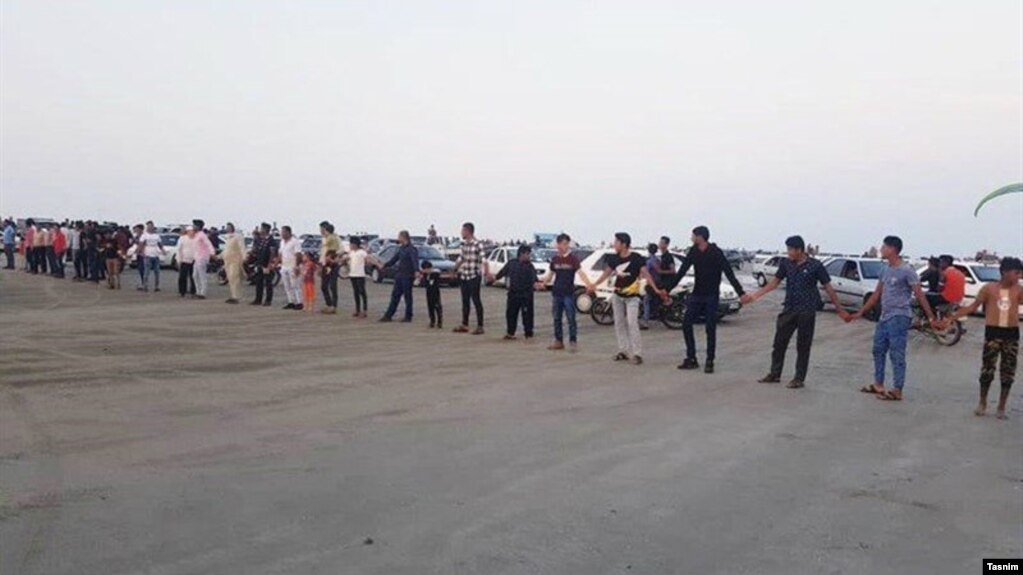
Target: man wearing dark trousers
799	314
264	252
406	258
471	268
521	274
709	263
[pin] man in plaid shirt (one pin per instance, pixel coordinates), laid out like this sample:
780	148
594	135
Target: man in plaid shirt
471	268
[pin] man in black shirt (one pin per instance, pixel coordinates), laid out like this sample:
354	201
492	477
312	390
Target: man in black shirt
264	251
521	282
709	262
802	300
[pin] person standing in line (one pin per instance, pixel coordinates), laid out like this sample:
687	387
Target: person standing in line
186	262
330	270
653	266
357	259
799	314
471	268
1001	301
262	256
59	248
9	237
406	258
564	268
709	263
233	256
140	258
521	285
308	268
152	248
28	246
74	247
112	261
204	252
43	248
430	278
896	287
290	274
628	268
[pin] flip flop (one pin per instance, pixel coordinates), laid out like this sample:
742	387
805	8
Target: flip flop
889	396
872	389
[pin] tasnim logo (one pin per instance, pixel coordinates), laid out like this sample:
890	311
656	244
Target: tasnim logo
1002	565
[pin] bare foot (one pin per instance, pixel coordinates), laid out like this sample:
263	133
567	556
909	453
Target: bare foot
981	411
1001	415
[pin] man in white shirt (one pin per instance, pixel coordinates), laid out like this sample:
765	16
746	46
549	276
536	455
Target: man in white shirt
151	247
290	247
74	245
204	250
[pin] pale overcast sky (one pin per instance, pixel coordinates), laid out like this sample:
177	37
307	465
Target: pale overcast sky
842	121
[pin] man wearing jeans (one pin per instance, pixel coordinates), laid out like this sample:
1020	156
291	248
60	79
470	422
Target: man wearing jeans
799	314
406	257
263	254
563	270
471	268
709	262
151	247
628	268
896	287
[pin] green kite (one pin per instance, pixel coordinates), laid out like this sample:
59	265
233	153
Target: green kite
1010	189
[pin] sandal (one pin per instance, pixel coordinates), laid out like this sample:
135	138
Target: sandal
621	357
872	388
890	395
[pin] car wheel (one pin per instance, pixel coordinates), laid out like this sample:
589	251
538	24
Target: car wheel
583	301
761	280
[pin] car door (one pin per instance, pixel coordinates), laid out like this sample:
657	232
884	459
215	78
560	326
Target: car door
499	258
835	268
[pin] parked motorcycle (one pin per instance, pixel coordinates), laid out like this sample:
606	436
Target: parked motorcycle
670	314
948	336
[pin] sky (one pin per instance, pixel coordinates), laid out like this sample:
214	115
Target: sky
839	121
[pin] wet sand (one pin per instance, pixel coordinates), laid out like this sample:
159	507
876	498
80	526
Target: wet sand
140	433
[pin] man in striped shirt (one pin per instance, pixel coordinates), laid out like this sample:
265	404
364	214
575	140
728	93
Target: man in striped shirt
471	268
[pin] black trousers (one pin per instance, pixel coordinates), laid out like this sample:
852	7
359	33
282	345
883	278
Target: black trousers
328	286
82	264
186	283
264	283
434	306
359	291
520	304
9	252
788	324
471	294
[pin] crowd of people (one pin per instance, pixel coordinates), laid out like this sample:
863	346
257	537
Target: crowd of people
100	252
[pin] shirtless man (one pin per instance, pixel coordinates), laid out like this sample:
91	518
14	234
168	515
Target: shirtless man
1001	301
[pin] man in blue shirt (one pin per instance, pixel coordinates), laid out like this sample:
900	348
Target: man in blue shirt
896	288
407	259
9	243
799	314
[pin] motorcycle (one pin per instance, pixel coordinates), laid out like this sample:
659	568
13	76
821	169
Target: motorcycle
946	337
250	273
670	314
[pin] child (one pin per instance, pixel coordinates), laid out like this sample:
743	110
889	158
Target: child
521	283
357	259
306	268
430	278
112	258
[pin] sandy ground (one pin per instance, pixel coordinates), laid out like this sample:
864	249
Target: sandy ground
140	433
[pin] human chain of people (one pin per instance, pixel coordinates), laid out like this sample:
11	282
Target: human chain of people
101	253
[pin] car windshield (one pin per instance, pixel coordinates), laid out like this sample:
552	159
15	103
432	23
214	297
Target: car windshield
871	269
987	273
170	239
428	253
543	255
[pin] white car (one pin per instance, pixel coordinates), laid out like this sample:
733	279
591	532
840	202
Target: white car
169	258
594	265
765	266
854	280
977	274
499	257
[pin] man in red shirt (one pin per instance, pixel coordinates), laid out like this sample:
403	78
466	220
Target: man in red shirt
953	284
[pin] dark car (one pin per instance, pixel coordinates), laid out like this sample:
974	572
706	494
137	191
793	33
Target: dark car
445	266
311	246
